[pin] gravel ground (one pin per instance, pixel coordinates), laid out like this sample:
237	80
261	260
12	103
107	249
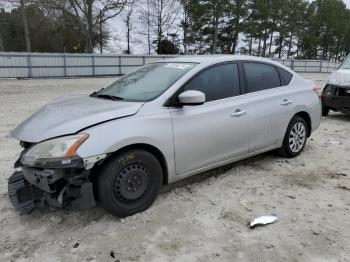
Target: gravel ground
199	219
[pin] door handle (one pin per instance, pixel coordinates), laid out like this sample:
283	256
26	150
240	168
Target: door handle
286	102
238	113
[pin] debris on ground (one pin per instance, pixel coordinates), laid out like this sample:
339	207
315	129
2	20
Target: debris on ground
338	175
263	220
291	196
315	232
269	246
56	219
343	187
245	205
76	245
341	174
331	142
230	215
189	189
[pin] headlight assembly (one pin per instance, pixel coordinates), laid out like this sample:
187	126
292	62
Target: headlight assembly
327	90
53	152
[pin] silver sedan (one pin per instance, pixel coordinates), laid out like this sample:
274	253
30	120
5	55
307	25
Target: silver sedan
161	123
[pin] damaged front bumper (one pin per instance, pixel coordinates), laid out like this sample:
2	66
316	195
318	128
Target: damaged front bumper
35	187
337	98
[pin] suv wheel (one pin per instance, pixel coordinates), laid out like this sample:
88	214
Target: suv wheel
129	182
295	137
325	110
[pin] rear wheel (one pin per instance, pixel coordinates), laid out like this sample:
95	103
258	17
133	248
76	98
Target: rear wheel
129	182
295	137
325	110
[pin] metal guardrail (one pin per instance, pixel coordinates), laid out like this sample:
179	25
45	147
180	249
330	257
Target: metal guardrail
36	65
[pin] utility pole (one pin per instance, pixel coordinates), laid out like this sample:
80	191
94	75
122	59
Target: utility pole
25	27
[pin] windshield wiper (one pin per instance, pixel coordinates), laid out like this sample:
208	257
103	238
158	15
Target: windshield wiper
114	98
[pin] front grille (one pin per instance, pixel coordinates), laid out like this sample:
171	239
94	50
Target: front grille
343	91
339	91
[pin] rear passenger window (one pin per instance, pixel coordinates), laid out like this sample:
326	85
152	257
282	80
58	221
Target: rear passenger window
217	82
261	77
286	77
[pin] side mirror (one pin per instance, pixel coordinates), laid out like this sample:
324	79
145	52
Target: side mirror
192	97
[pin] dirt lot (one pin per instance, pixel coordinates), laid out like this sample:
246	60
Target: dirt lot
200	219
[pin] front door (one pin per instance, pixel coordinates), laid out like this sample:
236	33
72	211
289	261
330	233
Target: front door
215	131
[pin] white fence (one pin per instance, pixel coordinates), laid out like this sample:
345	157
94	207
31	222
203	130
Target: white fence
309	66
36	65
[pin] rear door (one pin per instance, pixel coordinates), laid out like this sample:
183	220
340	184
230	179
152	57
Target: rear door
216	130
269	103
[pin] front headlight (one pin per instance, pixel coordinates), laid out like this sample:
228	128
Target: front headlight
327	90
60	150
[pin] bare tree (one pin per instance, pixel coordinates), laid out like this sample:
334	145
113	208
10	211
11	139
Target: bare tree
129	27
163	14
92	14
145	18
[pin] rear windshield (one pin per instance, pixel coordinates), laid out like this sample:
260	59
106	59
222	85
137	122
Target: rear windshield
147	82
346	63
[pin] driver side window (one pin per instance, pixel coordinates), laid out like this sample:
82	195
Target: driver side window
216	83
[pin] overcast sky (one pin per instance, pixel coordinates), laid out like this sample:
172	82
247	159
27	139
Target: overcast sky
347	2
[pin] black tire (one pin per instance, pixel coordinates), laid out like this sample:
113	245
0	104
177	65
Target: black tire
286	150
325	110
129	182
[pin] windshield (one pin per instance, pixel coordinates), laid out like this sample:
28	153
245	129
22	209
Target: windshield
346	63
146	83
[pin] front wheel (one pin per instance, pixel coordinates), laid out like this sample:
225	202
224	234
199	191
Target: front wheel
325	110
295	137
129	183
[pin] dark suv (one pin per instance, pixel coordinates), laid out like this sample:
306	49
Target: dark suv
336	94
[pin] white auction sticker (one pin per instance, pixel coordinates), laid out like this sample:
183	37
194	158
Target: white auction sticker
178	66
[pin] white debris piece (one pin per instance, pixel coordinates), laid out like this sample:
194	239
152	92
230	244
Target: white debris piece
263	220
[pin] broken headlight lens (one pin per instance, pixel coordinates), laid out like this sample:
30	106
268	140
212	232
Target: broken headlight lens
54	151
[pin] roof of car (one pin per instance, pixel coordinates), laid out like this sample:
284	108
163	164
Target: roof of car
212	59
216	58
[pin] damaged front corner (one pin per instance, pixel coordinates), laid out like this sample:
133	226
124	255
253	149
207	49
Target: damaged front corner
89	162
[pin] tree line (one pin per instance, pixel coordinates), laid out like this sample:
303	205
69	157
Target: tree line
318	29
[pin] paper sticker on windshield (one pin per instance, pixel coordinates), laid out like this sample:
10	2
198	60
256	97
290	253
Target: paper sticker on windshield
178	66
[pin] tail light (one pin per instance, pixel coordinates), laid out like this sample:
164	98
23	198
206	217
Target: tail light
318	91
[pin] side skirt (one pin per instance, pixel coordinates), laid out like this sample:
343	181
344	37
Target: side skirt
222	163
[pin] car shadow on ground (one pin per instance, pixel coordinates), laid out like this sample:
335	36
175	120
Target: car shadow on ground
338	116
216	172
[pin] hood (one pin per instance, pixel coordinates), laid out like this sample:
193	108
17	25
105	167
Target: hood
340	77
69	114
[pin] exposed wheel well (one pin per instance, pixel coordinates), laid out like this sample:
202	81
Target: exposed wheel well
307	119
153	150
